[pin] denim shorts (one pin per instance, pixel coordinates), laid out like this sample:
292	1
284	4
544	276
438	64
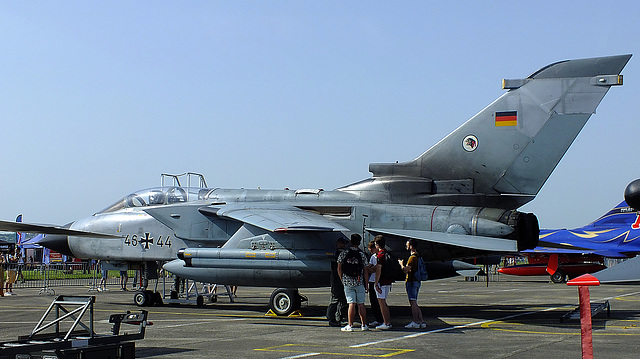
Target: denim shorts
354	294
412	289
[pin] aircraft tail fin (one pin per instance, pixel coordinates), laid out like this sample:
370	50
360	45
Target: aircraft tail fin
620	215
511	147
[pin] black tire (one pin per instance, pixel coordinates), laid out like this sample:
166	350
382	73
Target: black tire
141	299
284	301
199	301
558	276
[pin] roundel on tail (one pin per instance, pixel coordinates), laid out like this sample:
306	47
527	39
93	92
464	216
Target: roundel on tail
470	143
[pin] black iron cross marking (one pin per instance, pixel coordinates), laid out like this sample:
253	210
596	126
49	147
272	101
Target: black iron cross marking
146	240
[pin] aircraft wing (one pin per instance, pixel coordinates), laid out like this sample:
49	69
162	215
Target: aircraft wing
7	226
457	240
275	218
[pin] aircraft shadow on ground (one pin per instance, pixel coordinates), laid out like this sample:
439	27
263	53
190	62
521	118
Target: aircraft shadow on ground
533	314
150	352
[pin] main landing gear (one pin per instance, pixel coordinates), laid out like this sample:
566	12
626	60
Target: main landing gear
284	301
147	298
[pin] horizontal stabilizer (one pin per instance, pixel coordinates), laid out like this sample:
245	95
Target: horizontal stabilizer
457	240
7	226
627	272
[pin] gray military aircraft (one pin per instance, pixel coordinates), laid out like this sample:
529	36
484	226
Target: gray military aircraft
458	199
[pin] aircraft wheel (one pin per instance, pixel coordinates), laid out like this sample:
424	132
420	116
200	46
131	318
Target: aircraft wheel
284	301
558	276
199	301
142	299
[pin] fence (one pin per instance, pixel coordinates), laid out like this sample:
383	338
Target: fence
85	274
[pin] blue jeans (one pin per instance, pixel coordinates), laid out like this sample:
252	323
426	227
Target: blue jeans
413	288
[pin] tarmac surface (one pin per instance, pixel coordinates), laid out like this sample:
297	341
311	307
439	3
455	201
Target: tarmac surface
514	317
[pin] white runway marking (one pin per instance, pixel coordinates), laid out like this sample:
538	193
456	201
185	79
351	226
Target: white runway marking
415	335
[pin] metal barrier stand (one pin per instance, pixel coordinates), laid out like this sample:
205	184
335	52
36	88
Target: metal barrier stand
78	341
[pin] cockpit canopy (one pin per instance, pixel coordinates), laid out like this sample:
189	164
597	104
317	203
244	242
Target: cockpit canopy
158	196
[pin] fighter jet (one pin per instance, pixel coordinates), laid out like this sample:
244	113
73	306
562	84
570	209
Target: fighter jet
627	272
563	253
458	199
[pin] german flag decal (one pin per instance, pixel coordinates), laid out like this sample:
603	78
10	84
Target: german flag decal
506	118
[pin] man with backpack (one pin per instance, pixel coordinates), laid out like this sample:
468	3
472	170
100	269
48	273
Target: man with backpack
415	272
352	271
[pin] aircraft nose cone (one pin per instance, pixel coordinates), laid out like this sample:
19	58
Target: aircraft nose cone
56	242
632	194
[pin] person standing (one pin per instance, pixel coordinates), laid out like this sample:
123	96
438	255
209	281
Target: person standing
382	283
2	274
337	309
103	280
373	298
413	285
124	278
353	272
12	271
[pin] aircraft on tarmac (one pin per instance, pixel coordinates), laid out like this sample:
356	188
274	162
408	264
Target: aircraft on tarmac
563	253
628	271
458	199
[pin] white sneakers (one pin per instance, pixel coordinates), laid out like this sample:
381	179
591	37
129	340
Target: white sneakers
348	328
414	325
383	326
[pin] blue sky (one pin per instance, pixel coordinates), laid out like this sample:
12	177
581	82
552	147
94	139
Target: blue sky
99	98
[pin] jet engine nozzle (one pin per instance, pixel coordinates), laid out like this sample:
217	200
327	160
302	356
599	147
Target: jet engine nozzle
632	194
528	231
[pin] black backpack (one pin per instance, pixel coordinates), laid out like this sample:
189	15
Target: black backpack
391	269
353	266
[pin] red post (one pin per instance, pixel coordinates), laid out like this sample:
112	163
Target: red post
585	322
583	282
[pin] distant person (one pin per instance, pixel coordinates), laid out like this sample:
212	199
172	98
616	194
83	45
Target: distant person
178	284
103	280
413	285
337	309
2	261
124	278
382	284
373	298
20	266
12	271
353	272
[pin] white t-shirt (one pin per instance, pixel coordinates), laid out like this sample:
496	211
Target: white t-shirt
374	262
